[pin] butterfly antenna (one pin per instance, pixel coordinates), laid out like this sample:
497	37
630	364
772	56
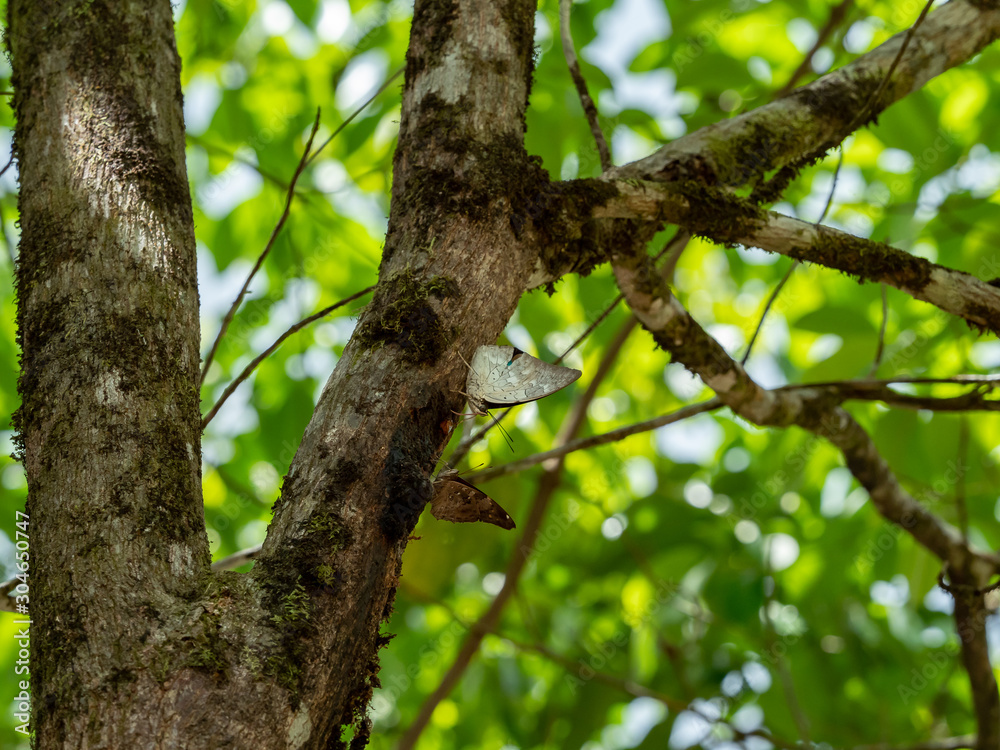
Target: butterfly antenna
506	435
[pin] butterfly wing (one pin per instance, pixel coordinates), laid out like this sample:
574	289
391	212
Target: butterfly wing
505	376
487	368
459	501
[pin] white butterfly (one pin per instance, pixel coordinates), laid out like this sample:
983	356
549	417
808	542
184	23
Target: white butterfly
506	376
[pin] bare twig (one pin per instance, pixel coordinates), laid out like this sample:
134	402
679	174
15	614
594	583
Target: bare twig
767	309
962	450
861	390
974	400
873	102
967	742
234	156
876	384
589	109
880	349
236	559
267	249
3	224
396	74
791	268
837	15
270	350
970	615
594	440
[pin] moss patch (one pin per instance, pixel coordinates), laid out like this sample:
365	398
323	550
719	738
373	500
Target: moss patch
719	215
866	260
402	315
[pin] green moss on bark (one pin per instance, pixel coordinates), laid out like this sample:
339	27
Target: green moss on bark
403	315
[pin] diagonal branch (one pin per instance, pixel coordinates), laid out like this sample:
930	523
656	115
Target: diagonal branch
248	370
815	118
970	615
264	253
837	15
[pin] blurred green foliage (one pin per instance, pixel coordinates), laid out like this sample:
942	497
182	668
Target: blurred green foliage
663	553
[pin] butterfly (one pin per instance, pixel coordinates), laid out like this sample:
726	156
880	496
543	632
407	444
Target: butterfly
506	376
459	501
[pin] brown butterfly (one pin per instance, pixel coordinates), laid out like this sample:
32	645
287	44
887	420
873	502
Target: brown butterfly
459	501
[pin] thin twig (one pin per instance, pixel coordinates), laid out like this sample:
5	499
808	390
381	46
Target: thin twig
234	156
880	349
847	390
967	742
860	117
547	486
3	224
9	164
796	264
589	109
270	350
962	451
837	15
236	559
267	249
870	383
767	308
355	113
864	112
594	440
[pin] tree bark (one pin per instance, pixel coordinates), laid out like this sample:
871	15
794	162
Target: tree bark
107	324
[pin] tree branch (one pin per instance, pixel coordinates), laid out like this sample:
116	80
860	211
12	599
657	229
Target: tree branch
696	208
970	614
815	118
590	442
264	253
589	109
837	14
812	409
248	370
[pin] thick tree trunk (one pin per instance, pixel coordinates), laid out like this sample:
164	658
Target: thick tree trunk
108	321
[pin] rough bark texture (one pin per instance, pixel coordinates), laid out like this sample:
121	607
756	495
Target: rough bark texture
108	321
452	272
